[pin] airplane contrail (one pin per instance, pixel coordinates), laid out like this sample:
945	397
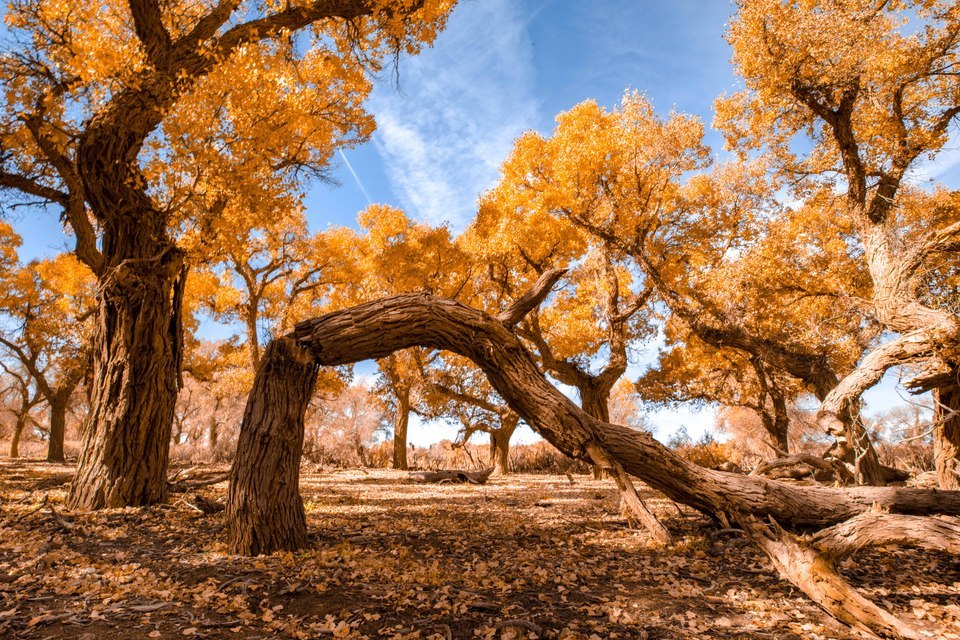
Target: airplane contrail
355	177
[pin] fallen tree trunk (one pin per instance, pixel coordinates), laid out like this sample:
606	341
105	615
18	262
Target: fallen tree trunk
274	427
453	475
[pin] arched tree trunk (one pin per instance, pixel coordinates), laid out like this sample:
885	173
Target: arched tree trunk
400	422
137	351
264	511
500	444
946	435
273	426
58	428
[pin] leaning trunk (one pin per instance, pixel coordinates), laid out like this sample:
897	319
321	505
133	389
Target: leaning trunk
268	454
137	351
401	420
946	435
58	427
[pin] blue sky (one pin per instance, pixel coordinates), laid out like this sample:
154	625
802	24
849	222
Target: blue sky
503	67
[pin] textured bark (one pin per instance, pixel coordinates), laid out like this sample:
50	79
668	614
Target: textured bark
137	344
401	420
264	511
946	435
137	356
816	576
376	329
453	475
630	500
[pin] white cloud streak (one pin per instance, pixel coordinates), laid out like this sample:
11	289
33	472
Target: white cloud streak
461	104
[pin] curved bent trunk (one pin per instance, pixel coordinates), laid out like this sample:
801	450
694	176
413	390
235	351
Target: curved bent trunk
273	423
946	436
137	352
400	422
264	511
58	427
376	329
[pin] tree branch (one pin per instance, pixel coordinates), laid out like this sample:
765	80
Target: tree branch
531	299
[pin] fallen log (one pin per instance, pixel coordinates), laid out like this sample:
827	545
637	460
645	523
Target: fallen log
264	511
452	475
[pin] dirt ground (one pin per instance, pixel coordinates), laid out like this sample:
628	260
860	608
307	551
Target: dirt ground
521	557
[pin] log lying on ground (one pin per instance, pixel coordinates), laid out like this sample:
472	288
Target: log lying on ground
452	475
264	512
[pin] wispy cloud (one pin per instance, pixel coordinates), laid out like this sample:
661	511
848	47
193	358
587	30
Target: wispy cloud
444	134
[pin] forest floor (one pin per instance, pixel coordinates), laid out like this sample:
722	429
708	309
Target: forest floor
392	559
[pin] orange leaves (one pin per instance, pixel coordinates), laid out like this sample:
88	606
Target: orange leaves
883	65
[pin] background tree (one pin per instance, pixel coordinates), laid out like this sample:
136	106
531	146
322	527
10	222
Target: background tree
872	88
345	426
20	397
393	254
626	177
49	304
456	390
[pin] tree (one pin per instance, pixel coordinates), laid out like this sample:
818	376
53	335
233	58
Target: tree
632	180
50	304
135	118
20	398
691	371
263	277
264	511
872	89
347	425
599	316
454	388
394	254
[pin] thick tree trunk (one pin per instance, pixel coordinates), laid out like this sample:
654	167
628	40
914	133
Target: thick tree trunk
500	444
17	434
946	436
58	428
400	422
264	511
137	350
